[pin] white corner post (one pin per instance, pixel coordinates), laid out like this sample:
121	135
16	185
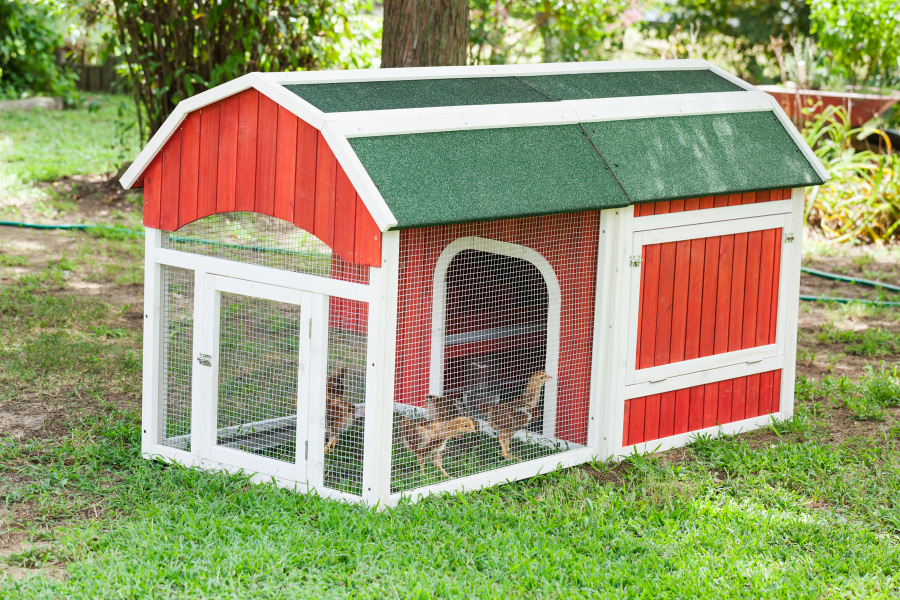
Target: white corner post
792	294
609	364
380	360
150	413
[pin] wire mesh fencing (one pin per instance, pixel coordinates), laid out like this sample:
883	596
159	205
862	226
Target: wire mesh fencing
177	337
494	341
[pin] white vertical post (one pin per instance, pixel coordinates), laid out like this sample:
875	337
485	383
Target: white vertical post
317	368
150	403
204	385
380	358
792	293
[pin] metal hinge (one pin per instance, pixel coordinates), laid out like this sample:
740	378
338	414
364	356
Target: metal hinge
310	329
306	450
635	261
788	238
204	359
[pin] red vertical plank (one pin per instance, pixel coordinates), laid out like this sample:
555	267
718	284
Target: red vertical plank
305	178
762	197
677	340
368	237
751	307
326	171
682	411
265	156
636	421
764	311
708	324
766	381
707	202
649	299
651	418
691	204
734	199
285	164
190	169
152	187
720	201
344	216
776	392
664	332
641	288
667	414
248	131
692	333
171	175
209	160
776	280
676	206
626	424
662	208
723	314
695	415
748	197
229	118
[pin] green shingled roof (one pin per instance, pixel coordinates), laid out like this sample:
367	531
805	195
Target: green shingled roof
484	174
419	93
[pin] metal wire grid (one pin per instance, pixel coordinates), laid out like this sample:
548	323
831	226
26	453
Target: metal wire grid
263	240
513	350
177	350
259	345
345	394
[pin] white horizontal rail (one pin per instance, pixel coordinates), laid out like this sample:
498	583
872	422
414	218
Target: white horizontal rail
267	275
712	215
695	232
706	363
681	382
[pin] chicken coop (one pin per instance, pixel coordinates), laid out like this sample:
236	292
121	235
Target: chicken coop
384	284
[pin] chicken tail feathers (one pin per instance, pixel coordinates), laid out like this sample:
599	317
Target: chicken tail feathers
334	386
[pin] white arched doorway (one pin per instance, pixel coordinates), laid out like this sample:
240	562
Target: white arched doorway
532	294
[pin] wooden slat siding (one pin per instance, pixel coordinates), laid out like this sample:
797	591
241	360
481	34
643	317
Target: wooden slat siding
664	309
152	189
636	420
190	169
679	331
692	333
248	131
305	176
286	165
698	392
751	314
764	311
692	204
776	395
171	174
368	237
344	216
326	173
773	318
265	156
229	119
649	295
723	315
708	324
676	206
665	207
209	161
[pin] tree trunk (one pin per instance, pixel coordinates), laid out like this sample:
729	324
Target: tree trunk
425	33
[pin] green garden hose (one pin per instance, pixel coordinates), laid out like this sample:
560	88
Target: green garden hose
807	270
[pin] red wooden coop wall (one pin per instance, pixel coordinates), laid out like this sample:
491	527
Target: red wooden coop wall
568	242
247	153
699	298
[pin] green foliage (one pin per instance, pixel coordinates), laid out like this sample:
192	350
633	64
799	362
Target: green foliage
28	42
745	27
549	30
867	398
174	49
867	342
862	38
862	199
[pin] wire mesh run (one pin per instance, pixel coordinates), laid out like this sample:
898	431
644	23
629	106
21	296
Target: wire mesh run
177	336
265	241
345	395
258	369
494	345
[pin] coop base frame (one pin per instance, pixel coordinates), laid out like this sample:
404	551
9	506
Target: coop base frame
610	371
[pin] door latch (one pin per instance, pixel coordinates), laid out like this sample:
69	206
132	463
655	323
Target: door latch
204	359
788	238
635	261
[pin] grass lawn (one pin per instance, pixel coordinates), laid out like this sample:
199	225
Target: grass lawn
804	509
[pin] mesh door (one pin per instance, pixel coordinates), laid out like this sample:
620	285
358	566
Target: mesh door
177	346
259	348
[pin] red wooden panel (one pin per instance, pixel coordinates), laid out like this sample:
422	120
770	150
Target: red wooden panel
285	164
695	297
676	206
723	314
682	411
766	273
776	280
708	324
636	421
344	216
720	201
734	199
265	156
692	204
725	400
776	392
190	169
766	381
171	173
651	417
627	423
209	160
229	119
326	171
152	187
681	399
305	190
706	202
738	274
661	208
748	197
695	416
368	237
245	183
666	414
649	297
665	301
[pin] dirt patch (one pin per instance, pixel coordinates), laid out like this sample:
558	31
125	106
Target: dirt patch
76	199
29	560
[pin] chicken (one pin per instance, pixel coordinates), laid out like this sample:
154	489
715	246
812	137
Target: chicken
429	438
509	417
339	413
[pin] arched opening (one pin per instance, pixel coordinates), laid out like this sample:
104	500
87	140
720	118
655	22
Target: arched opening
496	324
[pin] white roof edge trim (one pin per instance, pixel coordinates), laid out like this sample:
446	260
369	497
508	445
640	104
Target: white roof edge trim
276	93
732	78
360	179
491	116
417	73
798	138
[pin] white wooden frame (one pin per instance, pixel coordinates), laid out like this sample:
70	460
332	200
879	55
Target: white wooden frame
554	314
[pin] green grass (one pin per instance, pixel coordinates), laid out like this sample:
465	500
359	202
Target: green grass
870	342
48	145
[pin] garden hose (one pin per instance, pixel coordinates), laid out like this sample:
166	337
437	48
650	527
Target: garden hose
807	270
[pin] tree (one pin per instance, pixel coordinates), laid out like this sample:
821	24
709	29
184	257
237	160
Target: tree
421	33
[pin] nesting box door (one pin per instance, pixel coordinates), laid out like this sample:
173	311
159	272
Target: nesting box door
253	375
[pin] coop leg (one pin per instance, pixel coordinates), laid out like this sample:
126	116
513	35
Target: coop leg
439	463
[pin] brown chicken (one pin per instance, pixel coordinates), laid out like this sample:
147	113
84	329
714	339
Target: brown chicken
430	437
339	413
509	417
